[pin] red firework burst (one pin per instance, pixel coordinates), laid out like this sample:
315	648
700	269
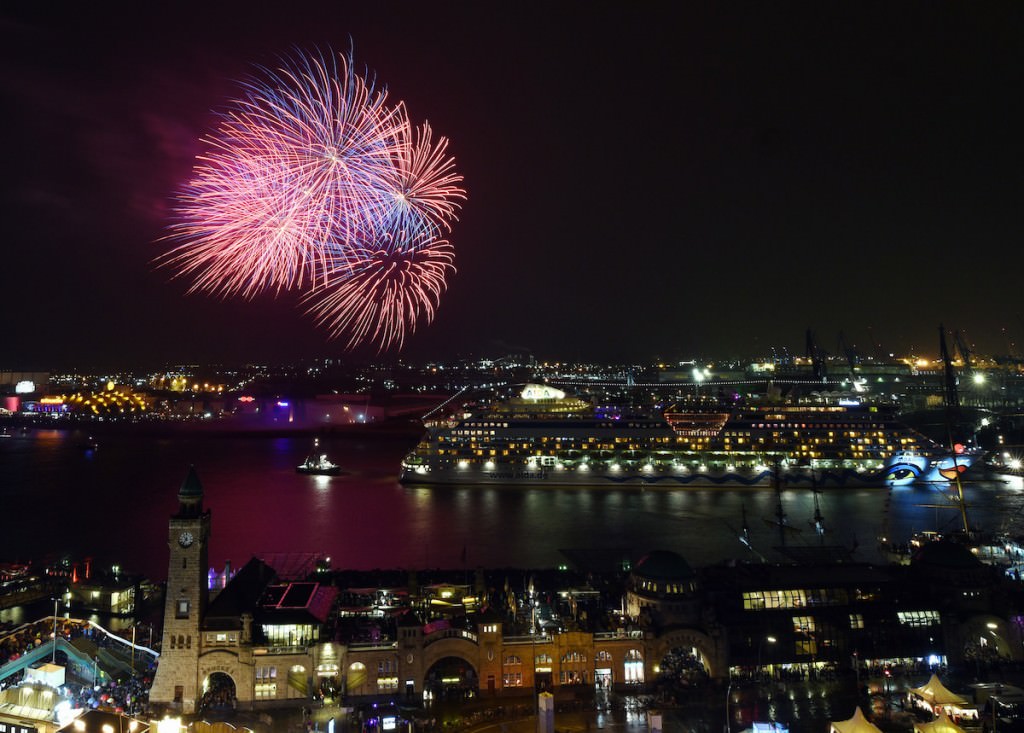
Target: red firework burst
313	180
296	173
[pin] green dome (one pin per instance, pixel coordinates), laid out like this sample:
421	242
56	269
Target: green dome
663	565
946	554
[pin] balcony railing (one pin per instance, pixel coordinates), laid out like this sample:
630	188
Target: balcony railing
372	646
450	634
267	650
531	639
620	634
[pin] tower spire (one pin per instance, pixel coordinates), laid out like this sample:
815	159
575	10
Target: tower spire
190	495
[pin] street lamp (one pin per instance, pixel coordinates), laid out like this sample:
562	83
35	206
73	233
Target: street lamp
53	658
728	694
760	646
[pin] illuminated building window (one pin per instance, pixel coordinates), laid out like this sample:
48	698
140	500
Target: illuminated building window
918	618
856	621
803	623
572	677
633	668
265	690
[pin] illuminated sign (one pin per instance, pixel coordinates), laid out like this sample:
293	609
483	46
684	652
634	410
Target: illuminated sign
246	398
51	401
850	403
389	723
25	387
282	403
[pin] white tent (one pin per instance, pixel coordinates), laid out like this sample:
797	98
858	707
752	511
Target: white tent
941	724
935	693
857	724
934	696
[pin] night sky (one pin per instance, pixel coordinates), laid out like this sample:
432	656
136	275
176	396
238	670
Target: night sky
645	181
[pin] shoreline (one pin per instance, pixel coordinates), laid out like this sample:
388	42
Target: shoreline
213	428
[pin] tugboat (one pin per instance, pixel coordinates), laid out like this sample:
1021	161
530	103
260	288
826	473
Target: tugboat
317	463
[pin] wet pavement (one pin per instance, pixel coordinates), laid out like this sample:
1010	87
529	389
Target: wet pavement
805	706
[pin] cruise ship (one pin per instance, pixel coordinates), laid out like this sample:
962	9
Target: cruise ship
543	436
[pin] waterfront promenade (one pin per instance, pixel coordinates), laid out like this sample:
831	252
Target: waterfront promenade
804	706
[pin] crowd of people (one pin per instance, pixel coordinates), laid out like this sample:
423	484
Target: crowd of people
126	695
27	637
84	688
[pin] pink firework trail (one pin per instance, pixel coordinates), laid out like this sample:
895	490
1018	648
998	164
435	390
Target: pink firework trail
379	292
382	299
314	181
424	191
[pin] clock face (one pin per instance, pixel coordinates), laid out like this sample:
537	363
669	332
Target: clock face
185	539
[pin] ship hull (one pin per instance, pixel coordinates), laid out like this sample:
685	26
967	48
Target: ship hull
530	476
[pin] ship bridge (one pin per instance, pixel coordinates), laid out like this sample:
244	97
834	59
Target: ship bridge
696	424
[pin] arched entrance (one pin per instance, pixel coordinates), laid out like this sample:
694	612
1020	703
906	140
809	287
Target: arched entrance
219	693
682	667
690	652
450	678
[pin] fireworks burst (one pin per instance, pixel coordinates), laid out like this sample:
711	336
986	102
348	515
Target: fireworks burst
314	181
382	298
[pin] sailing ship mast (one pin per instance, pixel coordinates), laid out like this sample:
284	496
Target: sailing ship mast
819	521
952	400
780	513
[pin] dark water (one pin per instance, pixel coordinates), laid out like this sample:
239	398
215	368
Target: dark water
113	504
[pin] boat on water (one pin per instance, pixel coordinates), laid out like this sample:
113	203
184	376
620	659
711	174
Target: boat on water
542	436
945	475
317	463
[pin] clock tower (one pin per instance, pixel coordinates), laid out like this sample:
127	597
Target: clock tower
176	683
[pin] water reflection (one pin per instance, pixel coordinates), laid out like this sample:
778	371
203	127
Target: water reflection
116	507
